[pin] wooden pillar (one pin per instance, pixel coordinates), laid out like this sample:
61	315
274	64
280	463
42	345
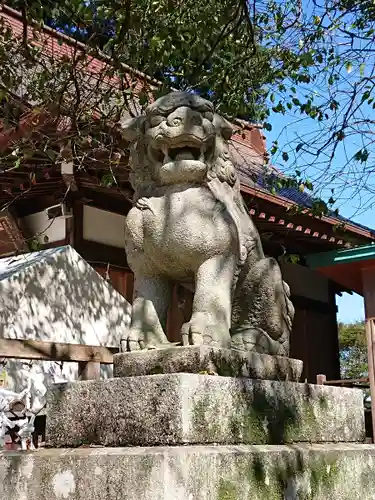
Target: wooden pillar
368	280
89	370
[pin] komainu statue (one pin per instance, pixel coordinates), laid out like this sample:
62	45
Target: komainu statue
189	225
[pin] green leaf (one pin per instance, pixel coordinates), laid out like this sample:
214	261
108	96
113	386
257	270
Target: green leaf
362	69
285	156
317	20
294	258
365	96
362	155
143	98
307	58
274	149
267	126
348	66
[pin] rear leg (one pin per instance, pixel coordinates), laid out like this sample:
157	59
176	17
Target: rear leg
262	311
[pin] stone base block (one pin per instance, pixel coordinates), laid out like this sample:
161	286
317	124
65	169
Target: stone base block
197	359
317	472
187	409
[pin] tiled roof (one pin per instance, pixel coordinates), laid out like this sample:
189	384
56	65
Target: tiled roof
304	199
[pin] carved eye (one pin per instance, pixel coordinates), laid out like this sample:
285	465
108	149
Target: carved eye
156	120
176	121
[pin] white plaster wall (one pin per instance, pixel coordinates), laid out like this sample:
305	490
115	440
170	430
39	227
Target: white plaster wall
306	282
39	225
103	227
56	296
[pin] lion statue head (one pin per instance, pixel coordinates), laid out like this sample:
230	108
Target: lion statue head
179	140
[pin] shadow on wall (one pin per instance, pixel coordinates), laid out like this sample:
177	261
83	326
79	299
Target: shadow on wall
55	296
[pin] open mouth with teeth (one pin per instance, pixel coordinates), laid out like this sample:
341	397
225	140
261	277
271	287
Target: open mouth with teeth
175	153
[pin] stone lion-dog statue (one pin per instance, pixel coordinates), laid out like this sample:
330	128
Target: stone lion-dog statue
189	225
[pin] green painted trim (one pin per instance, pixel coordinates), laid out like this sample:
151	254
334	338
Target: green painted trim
345	256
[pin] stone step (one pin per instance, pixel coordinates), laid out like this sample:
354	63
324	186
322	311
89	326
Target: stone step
314	472
197	359
182	408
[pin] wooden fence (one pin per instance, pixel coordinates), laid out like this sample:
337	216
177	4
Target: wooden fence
89	358
360	383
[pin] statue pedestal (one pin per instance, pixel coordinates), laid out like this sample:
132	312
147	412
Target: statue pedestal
183	408
207	360
193	436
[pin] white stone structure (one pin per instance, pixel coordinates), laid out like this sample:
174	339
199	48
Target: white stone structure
55	295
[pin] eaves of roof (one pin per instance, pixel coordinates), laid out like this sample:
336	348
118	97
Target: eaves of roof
287	203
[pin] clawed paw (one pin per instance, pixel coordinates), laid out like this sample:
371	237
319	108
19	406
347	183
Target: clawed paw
133	342
204	329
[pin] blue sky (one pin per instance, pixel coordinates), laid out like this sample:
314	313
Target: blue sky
285	129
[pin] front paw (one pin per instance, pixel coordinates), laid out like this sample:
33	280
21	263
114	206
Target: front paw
205	329
132	342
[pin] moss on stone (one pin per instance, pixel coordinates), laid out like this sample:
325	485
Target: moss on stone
323	402
257	419
323	475
262	478
201	423
227	490
225	367
248	426
157	370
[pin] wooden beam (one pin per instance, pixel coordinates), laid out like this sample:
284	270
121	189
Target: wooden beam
54	351
348	381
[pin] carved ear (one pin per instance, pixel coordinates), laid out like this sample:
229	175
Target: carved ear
225	128
132	128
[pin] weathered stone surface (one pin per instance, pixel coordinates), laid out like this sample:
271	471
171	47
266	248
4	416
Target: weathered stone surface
186	408
318	472
189	224
214	361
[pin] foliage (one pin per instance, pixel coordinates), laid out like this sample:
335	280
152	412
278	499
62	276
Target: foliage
210	47
337	93
306	59
353	350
